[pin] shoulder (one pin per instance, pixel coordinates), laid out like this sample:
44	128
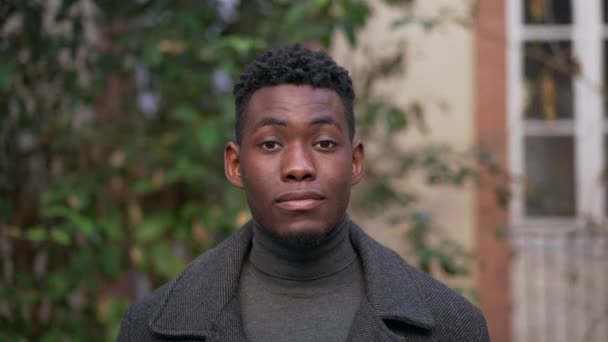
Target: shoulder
136	320
411	293
202	275
134	325
454	315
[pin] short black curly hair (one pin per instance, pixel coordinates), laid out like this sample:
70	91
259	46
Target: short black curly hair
293	64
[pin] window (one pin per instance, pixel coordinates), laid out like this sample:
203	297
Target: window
557	139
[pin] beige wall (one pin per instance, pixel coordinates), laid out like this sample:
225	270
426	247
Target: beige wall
438	69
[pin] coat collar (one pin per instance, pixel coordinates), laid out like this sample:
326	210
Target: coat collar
390	286
204	297
202	302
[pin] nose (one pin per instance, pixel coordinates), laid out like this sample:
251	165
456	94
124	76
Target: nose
297	164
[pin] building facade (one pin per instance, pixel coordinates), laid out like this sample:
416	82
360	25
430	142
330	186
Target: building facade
526	82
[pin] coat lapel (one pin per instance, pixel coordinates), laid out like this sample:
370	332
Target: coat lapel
393	295
367	326
202	302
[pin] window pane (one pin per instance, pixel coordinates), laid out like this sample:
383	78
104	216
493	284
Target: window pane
548	70
550	176
547	12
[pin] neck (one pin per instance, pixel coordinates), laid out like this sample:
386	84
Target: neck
332	254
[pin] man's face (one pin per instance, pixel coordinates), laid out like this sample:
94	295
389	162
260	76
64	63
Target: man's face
296	160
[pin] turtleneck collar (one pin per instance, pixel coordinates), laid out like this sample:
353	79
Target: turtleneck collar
332	255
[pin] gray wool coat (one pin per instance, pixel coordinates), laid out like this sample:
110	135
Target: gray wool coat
401	302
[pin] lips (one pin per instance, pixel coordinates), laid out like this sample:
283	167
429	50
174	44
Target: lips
299	200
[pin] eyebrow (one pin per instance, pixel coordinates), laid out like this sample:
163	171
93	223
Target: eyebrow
324	120
270	121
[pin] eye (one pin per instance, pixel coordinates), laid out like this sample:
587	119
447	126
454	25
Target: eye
270	145
325	144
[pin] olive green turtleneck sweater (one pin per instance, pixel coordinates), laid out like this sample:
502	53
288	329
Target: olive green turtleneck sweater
303	295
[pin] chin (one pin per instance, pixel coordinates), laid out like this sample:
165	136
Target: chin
301	235
305	225
302	239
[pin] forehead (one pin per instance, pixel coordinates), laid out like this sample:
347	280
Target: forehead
295	103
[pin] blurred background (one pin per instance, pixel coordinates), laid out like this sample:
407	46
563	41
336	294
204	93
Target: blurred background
484	123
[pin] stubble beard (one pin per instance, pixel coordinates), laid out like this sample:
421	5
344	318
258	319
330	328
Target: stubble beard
301	240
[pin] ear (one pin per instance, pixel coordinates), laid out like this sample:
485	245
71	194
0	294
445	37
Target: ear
232	164
358	161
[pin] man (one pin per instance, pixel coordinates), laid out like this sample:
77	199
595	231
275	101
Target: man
300	270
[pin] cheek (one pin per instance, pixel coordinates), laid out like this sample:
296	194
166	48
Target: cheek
338	173
258	178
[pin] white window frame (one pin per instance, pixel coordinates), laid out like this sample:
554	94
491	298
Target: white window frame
586	34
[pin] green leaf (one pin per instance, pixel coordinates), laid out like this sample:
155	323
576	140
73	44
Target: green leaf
6	75
322	3
425	255
112	226
298	11
55	211
209	136
83	260
36	234
357	13
448	265
81	223
152	55
59	284
189	211
355	16
108	259
242	45
395	120
428	24
186	170
351	36
152	227
60	237
186	114
143	186
371	114
164	261
115	312
402	22
421	218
